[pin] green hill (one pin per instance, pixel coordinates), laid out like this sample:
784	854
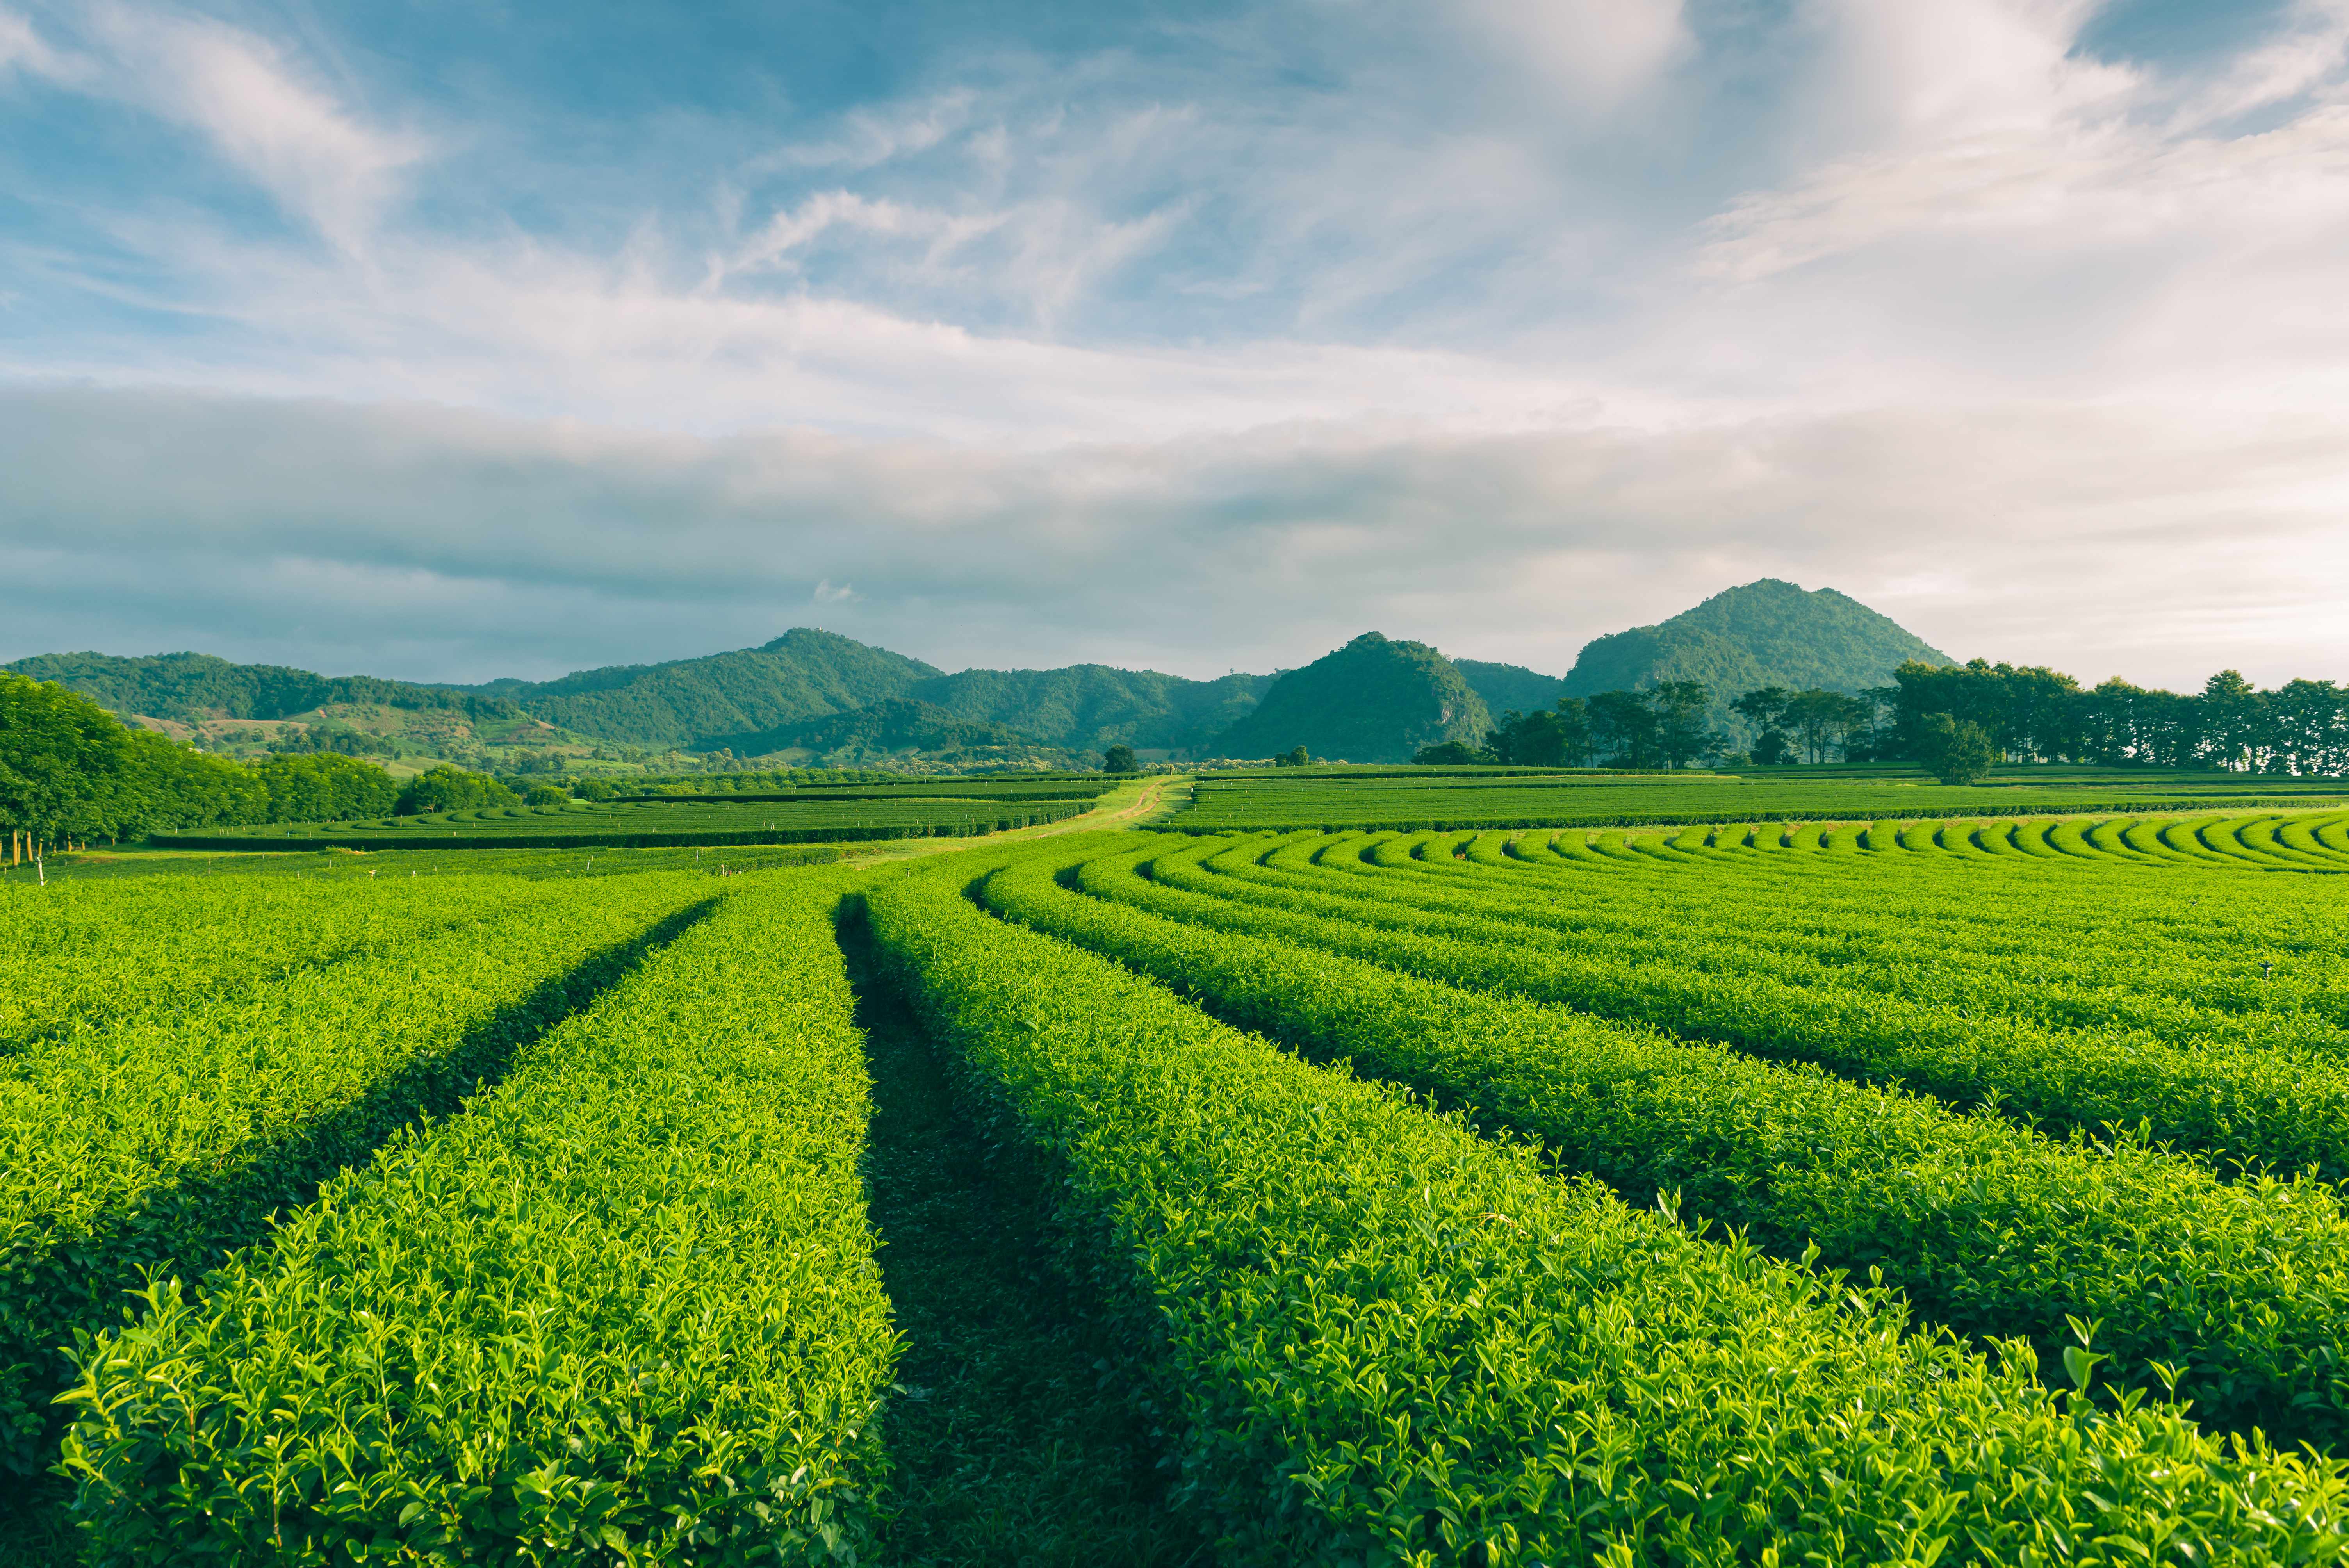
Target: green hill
1370	701
1091	707
895	723
1769	633
191	687
723	699
1510	686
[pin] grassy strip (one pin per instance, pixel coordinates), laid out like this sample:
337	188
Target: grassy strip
2241	1101
1990	1230
1377	1337
73	959
163	1142
623	1308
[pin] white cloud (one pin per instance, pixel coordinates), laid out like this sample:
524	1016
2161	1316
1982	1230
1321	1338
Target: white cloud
1466	323
484	545
322	163
23	48
2077	187
2305	56
1593	54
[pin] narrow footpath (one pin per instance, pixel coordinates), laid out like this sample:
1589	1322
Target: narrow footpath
1011	1441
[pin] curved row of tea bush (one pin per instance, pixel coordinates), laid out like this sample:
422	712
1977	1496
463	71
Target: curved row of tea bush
623	1308
2244	1289
162	1141
2243	1101
1262	801
77	958
1375	1336
2234	958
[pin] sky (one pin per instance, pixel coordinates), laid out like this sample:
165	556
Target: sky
450	341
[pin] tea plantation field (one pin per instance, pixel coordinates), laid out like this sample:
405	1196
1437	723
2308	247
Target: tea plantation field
1890	1189
1461	798
807	818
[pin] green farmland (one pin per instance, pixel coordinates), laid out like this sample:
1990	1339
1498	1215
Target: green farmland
1400	799
640	824
1886	1188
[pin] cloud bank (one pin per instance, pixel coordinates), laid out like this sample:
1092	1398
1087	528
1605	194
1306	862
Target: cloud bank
1198	339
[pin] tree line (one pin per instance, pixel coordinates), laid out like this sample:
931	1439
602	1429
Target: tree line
71	773
1958	719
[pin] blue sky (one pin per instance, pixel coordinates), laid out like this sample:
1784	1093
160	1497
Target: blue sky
451	341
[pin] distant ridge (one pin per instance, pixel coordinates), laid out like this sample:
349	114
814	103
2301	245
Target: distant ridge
1091	707
190	686
710	702
1768	632
1374	700
1507	688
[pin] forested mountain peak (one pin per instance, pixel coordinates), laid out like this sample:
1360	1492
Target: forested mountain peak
720	698
1762	634
1374	700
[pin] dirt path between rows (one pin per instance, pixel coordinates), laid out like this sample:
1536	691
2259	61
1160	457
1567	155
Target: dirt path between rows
1152	798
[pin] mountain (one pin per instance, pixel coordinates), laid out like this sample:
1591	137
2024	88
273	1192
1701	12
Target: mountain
1091	707
1769	633
1370	701
1507	686
190	687
723	699
892	725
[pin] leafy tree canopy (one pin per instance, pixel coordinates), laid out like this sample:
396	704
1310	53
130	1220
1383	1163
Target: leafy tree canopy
447	789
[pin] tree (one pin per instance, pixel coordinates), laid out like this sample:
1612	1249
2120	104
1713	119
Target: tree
547	795
2308	729
64	762
1961	750
325	786
1297	756
1449	754
69	771
592	789
1682	734
448	788
1527	739
1765	707
1623	727
1119	759
1574	736
1820	719
2233	722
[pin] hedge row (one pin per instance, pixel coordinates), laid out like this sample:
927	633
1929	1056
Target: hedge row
161	1143
75	957
1376	1336
623	1309
2132	953
2287	1107
1990	1230
613	841
1326	822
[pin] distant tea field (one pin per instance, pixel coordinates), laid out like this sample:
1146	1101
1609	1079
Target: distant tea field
653	823
1403	799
